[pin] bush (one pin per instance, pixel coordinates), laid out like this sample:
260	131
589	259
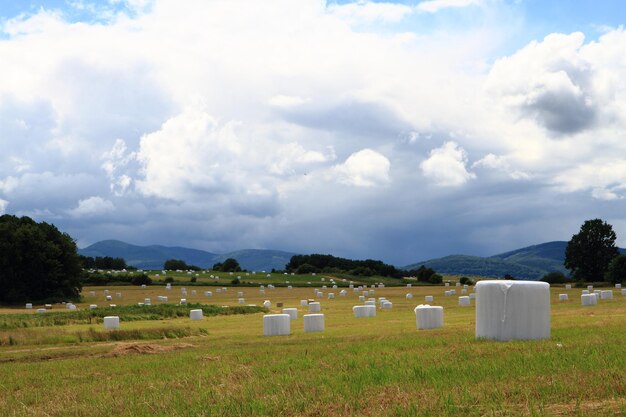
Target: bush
235	281
169	280
193	279
556	277
306	269
142	279
435	279
466	281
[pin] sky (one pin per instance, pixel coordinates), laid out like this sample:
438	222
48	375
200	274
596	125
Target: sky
399	131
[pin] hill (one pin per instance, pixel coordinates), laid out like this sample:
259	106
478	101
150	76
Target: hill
531	262
153	256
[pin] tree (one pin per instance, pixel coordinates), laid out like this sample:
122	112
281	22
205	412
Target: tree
616	272
556	277
142	279
37	262
590	251
229	265
177	264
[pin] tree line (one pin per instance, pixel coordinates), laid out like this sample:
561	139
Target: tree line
306	264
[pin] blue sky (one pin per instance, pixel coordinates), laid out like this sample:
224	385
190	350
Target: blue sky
399	131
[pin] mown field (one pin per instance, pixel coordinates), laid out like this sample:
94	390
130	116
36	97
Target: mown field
163	364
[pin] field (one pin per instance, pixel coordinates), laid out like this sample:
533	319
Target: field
164	365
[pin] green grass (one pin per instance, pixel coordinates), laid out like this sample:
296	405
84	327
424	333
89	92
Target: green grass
381	366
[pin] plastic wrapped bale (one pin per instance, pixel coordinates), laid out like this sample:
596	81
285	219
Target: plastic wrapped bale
195	314
108	298
364	311
240	294
276	325
370	303
618	286
331	296
343	293
623	291
241	301
429	298
361	298
589	288
313	323
508	310
111	322
458	284
472	296
447	293
218	290
428	317
208	294
41	310
183	301
585	292
92	306
452	292
447	284
606	295
386	305
371	292
563	297
464	300
409	285
568	286
463	291
409	296
267	303
588	299
289	287
304	303
72	307
293	313
118	294
29	305
315	307
147	301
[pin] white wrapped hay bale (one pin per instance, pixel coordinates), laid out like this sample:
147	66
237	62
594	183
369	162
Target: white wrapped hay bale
447	293
315	307
195	314
464	291
276	325
29	305
472	296
429	298
623	291
370	303
92	306
409	285
606	295
588	299
41	310
208	294
111	322
589	288
361	298
267	303
428	317
240	294
585	292
304	303
447	284
464	300
72	307
343	293
313	323
241	300
108	298
293	313
147	301
409	296
386	305
331	296
458	284
183	301
452	292
568	286
508	310
218	290
618	286
563	297
118	294
364	311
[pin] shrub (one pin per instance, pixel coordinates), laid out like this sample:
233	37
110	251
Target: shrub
466	281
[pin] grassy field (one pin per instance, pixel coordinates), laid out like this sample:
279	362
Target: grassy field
382	366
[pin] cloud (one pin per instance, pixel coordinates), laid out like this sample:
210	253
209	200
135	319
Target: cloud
433	6
446	166
3	206
286	101
363	12
92	206
365	168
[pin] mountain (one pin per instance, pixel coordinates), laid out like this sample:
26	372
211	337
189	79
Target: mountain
154	256
531	262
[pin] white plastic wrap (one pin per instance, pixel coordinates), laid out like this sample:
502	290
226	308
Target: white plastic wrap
361	298
472	296
267	303
239	294
618	286
588	299
92	306
195	314
41	310
464	300
276	325
606	295
429	298
409	285
623	291
241	300
585	292
293	313
568	286
304	303
29	305
315	307
428	317
364	311
409	296
331	296
147	301
508	310
111	322
313	323
386	305
563	297
370	303
208	294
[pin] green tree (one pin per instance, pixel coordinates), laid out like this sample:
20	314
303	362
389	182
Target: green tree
590	251
37	262
230	265
616	272
556	277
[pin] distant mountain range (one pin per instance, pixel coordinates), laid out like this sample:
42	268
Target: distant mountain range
154	256
532	262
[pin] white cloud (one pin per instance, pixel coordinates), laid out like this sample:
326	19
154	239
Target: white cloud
363	12
499	163
446	166
365	168
92	206
286	101
3	206
604	194
433	6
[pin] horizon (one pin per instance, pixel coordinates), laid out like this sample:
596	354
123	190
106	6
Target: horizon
393	130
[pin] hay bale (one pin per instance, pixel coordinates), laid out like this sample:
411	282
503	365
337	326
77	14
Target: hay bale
409	296
428	317
111	322
41	310
315	307
606	295
29	306
588	299
313	323
276	325
563	297
429	298
464	300
304	303
293	313
364	311
508	310
196	314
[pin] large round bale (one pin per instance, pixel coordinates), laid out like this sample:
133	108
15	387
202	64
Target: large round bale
563	297
428	317
276	325
364	311
315	307
111	322
588	299
429	298
293	313
508	310
606	295
313	323
195	314
464	300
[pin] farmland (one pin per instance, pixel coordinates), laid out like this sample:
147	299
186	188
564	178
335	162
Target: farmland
223	365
